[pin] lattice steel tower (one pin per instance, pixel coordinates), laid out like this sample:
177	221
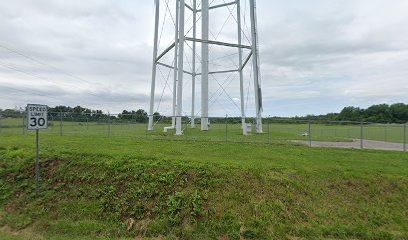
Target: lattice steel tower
180	39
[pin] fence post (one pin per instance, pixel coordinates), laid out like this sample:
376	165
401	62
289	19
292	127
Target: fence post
131	121
269	130
385	133
186	128
226	128
60	123
147	129
23	123
361	135
109	125
405	137
259	137
135	121
310	135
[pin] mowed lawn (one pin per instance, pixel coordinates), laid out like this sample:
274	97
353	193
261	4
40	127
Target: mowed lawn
230	131
126	187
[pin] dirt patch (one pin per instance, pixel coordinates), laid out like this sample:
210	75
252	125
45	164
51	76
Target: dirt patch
26	233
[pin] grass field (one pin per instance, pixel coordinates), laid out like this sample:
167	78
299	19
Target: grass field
231	132
94	186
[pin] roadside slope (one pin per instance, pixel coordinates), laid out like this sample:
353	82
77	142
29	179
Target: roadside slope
110	188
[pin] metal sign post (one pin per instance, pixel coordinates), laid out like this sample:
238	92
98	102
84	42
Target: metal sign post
37	164
37	119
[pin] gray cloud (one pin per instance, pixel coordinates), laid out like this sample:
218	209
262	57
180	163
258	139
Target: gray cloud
317	56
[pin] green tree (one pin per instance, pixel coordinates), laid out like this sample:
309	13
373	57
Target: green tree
380	113
350	114
399	112
141	115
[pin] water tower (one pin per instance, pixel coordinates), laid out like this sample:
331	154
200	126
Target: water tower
202	12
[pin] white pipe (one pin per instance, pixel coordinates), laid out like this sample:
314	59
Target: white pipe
153	85
255	61
176	42
204	65
194	64
241	76
180	69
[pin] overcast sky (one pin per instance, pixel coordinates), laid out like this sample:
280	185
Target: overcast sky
317	56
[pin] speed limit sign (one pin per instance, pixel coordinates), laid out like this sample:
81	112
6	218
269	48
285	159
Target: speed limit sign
37	117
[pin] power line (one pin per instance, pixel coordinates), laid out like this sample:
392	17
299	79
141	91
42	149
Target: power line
28	91
36	76
50	66
36	93
46	64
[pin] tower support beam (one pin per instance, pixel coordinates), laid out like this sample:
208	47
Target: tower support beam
180	74
241	75
255	62
194	64
204	64
217	43
154	68
204	42
175	69
219	6
166	51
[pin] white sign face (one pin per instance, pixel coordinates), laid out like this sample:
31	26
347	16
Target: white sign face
37	117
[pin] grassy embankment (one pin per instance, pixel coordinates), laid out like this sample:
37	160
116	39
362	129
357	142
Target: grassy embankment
95	187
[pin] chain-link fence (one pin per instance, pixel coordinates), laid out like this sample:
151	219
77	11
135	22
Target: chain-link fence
221	129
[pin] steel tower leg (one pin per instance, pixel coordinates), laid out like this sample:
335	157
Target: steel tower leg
194	64
241	76
204	65
154	68
180	69
176	44
255	61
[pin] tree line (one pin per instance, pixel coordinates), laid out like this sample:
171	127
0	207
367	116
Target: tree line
380	113
79	113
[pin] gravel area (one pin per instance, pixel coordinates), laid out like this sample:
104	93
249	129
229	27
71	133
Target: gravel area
367	144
